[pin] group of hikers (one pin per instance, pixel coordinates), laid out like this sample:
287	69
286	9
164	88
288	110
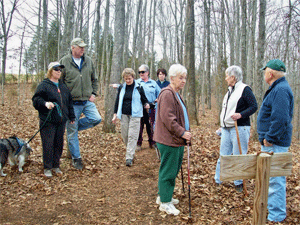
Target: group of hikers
71	87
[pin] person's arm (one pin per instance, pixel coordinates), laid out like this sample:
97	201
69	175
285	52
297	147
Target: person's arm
251	102
94	79
117	100
143	97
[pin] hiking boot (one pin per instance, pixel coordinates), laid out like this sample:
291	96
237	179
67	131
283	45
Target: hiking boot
77	163
173	201
138	148
47	173
169	208
239	188
57	171
129	162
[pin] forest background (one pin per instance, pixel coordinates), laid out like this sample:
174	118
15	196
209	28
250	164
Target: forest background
204	35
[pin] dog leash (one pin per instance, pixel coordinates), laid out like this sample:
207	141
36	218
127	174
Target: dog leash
21	144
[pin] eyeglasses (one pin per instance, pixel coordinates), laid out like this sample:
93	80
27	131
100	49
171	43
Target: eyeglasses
142	72
57	69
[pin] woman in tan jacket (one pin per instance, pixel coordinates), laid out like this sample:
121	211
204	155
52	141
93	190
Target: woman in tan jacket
171	135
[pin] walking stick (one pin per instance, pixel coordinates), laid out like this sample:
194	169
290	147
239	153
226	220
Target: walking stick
182	180
189	182
240	150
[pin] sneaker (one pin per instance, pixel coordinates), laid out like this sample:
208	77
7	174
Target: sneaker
239	188
138	148
129	162
173	201
57	171
169	208
77	163
47	173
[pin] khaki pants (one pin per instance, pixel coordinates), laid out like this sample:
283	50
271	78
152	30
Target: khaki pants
130	128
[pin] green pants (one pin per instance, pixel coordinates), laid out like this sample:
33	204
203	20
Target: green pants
171	160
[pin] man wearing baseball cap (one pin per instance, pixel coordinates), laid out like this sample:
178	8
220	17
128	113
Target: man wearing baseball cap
79	76
274	127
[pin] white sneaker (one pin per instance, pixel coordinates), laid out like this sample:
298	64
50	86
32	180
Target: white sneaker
169	208
48	173
57	171
174	201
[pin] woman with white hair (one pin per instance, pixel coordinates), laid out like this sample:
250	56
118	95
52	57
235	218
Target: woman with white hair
171	135
238	105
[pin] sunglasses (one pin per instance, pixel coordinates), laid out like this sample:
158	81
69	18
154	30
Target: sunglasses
142	72
57	69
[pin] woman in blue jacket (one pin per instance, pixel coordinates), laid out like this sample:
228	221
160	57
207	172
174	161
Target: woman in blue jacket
129	105
52	94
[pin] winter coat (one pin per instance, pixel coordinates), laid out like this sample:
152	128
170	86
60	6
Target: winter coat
47	91
274	120
170	124
82	82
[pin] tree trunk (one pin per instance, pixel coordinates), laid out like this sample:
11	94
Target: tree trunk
244	40
45	34
190	62
208	62
110	93
135	34
258	87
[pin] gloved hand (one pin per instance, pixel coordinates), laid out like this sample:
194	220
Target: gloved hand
49	105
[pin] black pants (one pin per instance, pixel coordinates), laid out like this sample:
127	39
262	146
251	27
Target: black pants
53	140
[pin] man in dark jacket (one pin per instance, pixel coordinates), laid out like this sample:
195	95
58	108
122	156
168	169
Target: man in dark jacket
274	127
80	78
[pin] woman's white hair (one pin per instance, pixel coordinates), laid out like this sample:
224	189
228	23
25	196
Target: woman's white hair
235	71
177	69
144	66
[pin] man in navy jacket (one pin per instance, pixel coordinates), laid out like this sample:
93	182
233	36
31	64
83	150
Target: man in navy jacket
274	127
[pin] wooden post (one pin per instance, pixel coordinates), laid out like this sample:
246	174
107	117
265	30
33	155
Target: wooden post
261	188
260	167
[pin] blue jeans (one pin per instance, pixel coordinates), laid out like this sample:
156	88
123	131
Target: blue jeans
91	119
229	146
277	190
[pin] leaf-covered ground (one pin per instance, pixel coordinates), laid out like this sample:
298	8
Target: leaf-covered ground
108	192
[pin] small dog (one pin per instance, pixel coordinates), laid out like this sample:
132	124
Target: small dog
15	150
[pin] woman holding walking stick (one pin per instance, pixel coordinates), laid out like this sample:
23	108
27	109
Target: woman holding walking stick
171	135
239	104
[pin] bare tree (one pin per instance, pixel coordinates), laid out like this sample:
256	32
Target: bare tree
110	94
6	19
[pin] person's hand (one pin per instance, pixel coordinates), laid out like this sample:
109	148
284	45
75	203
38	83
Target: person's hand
114	85
187	136
92	98
219	131
236	116
114	119
72	122
147	106
49	105
267	144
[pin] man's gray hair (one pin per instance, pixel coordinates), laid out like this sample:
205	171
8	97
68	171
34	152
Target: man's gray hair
235	71
177	69
144	66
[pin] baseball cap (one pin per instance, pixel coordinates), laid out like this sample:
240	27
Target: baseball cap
79	42
55	64
275	64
